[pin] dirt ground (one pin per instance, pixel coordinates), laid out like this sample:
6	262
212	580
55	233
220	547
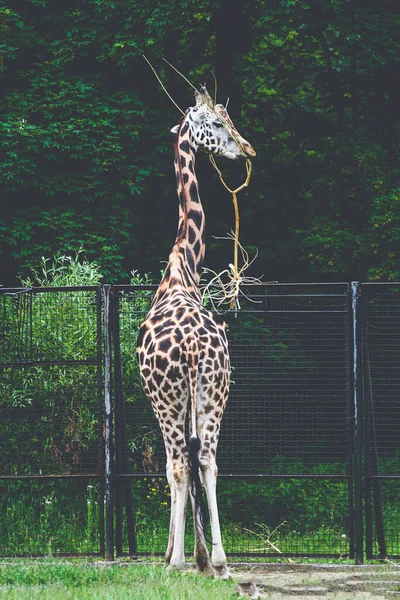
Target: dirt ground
317	581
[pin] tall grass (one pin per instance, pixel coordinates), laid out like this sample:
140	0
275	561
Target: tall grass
84	581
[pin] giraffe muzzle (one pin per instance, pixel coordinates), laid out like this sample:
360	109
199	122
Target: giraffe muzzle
249	150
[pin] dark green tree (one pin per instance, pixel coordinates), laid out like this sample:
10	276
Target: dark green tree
87	154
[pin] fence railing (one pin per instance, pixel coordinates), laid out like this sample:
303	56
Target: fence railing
308	436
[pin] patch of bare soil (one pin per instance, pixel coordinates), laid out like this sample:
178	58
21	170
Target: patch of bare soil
316	581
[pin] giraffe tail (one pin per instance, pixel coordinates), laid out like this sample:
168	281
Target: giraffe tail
195	481
193	351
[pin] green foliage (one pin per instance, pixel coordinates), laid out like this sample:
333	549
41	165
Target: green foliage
61	271
51	410
87	158
68	138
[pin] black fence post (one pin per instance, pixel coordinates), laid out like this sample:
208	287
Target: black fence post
358	431
372	481
100	410
123	490
117	423
350	427
108	425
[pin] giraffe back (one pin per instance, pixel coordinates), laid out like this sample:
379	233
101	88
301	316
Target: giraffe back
183	354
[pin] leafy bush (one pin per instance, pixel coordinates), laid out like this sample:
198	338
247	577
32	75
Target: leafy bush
51	408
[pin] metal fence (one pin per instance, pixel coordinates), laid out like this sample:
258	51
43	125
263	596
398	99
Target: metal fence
381	378
286	446
82	460
51	407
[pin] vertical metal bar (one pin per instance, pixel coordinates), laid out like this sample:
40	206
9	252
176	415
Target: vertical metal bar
357	407
108	454
118	516
266	303
130	519
350	426
123	487
99	381
118	418
367	435
371	454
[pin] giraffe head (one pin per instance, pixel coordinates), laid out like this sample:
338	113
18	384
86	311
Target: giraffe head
212	130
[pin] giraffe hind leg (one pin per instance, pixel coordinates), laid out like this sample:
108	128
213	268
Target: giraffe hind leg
210	471
171	482
178	474
201	553
218	557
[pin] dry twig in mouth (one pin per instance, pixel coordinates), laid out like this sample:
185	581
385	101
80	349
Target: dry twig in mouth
226	286
217	290
236	277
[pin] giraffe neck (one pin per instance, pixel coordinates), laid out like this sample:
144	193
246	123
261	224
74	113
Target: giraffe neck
187	254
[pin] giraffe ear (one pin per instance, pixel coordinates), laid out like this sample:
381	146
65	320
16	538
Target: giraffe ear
175	129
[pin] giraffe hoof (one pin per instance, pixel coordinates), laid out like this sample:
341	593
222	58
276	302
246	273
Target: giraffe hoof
208	571
179	565
222	571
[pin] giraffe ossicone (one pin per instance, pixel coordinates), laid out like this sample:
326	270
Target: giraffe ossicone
182	347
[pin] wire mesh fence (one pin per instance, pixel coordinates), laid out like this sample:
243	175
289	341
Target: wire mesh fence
51	517
260	518
381	353
286	436
288	446
51	420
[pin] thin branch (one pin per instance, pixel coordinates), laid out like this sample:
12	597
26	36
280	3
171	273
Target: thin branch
183	77
226	285
161	83
215	87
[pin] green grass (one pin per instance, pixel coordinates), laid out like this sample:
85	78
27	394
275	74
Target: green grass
84	580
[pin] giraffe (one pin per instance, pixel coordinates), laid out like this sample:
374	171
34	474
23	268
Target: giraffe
182	347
